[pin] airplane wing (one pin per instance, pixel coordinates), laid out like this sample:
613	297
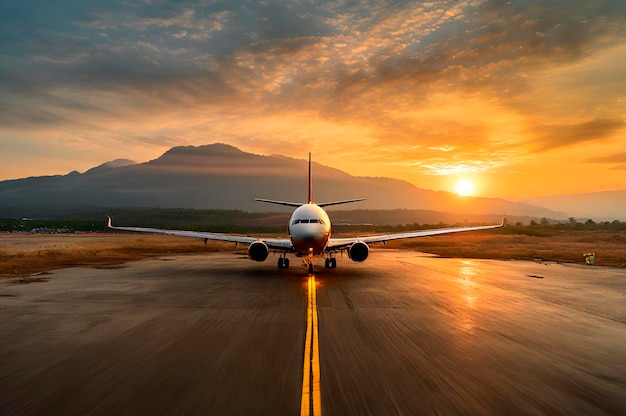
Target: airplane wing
273	243
342	243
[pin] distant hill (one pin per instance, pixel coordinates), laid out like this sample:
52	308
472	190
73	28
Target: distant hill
117	163
597	205
219	176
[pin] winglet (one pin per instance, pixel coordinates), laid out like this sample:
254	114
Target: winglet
504	222
109	223
310	182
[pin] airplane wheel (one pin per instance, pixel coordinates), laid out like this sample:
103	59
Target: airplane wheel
327	263
310	267
333	263
281	262
286	263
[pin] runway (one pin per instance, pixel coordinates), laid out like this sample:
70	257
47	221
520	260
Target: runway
401	333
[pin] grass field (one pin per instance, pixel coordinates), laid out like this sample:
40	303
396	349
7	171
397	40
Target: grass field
24	254
565	247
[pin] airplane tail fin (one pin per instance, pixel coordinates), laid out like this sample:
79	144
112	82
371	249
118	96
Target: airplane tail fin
325	204
310	182
310	198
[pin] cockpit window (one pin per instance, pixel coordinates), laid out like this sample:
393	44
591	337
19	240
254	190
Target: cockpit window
308	221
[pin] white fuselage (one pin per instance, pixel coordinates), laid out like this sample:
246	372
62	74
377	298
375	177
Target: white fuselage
309	230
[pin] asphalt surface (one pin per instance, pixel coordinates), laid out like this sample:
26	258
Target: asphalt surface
398	334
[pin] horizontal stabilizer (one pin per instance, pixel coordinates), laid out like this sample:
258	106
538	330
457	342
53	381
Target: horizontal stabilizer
297	204
270	201
347	201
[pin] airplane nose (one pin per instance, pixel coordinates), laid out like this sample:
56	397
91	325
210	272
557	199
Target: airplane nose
308	237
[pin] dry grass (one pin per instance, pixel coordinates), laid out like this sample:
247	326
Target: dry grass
26	254
566	247
34	254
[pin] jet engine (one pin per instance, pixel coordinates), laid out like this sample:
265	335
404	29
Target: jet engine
358	251
258	251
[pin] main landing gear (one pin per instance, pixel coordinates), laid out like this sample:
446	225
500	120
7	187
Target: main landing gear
330	263
283	262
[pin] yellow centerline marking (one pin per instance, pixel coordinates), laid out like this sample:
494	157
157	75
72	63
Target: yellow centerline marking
311	403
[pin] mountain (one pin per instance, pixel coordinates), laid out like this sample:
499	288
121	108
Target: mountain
220	176
601	206
117	163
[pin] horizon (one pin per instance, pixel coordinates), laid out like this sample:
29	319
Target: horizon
523	100
451	191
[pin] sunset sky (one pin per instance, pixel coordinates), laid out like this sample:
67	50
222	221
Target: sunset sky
523	98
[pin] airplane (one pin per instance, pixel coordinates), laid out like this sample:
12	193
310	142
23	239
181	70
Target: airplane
309	235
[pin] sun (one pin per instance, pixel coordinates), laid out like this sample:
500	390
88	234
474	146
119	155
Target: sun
464	187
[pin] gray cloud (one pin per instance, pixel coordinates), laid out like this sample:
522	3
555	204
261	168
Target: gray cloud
611	159
553	136
76	37
509	37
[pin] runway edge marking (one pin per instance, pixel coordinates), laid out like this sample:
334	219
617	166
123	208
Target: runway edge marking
311	403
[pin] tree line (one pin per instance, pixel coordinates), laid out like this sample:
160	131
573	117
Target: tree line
242	222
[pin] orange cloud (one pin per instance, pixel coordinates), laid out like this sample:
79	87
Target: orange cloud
419	91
